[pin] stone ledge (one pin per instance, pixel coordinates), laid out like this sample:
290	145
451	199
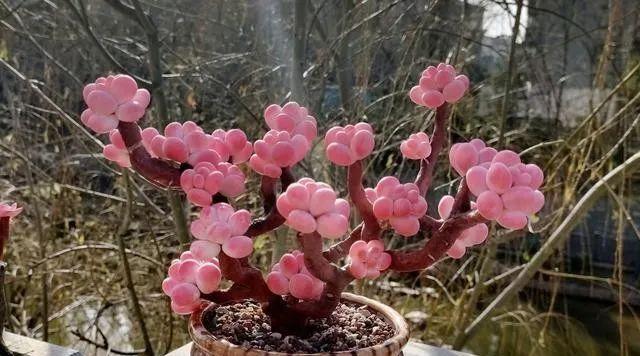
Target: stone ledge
28	346
412	349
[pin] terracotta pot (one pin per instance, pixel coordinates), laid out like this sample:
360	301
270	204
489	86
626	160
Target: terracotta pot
205	344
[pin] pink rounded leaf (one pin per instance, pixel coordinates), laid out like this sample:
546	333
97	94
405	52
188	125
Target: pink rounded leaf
476	180
301	221
208	277
301	286
332	225
512	220
185	294
489	205
499	177
445	205
278	283
238	247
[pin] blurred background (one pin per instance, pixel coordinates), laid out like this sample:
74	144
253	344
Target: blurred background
559	79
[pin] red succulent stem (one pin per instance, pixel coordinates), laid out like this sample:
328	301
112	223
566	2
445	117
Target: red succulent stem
440	242
429	224
438	141
357	193
247	282
371	229
336	279
156	171
318	265
462	202
341	249
4	234
272	219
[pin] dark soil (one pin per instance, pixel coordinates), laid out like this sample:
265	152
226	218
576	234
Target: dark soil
350	327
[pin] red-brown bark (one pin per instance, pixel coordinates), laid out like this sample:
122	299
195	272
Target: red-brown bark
438	141
371	228
4	234
154	170
439	243
341	249
272	218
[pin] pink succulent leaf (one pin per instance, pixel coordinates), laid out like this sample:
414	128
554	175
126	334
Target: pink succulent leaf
113	99
188	278
346	145
116	151
292	118
472	236
438	85
399	205
290	277
506	189
368	259
9	210
206	179
417	146
310	206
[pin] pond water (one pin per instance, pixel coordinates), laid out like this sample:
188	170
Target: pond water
576	326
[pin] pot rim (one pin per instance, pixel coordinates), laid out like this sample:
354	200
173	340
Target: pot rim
200	334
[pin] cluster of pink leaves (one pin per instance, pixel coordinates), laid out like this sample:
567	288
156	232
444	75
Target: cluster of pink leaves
506	189
111	100
116	151
310	206
368	259
472	236
439	85
9	210
188	143
188	277
218	227
291	276
346	145
206	179
288	141
417	146
209	154
401	205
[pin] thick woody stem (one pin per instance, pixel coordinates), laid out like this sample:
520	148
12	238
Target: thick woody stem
4	235
247	282
154	170
272	219
4	238
341	249
321	268
438	140
371	229
429	224
336	279
437	246
461	203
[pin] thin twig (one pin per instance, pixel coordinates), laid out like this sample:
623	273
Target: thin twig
122	229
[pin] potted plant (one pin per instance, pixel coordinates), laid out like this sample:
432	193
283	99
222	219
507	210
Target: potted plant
299	305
